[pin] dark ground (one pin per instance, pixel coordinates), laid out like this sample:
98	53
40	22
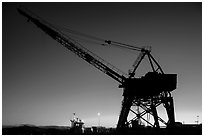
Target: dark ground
62	130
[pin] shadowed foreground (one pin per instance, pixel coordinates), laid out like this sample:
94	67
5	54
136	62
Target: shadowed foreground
63	130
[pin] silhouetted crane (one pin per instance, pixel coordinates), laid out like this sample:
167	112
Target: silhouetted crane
146	93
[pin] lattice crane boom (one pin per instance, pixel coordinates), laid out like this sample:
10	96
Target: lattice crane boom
74	46
146	92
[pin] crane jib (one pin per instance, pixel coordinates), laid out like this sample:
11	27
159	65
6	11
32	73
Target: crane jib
75	47
147	92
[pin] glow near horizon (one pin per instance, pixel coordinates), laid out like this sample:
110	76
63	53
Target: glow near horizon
43	75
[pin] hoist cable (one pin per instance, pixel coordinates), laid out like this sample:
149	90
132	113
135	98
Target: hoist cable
93	39
80	33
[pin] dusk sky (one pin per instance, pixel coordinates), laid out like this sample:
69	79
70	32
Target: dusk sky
44	84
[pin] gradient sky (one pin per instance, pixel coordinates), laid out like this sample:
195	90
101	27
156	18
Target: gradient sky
43	83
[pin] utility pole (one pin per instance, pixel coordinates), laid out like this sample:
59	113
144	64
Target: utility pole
98	119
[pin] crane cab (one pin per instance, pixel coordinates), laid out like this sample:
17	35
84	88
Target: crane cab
151	84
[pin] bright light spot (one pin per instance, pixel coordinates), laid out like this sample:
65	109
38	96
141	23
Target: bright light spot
99	114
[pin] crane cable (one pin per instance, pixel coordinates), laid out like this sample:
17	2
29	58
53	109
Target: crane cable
80	33
97	40
107	42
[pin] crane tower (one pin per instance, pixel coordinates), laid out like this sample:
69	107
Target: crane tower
141	96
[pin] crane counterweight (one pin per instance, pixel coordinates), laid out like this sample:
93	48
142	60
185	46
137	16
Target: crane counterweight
157	83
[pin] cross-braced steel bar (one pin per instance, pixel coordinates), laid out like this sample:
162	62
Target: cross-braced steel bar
147	108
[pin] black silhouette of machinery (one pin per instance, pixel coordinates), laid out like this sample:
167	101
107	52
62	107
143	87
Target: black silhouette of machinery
77	124
142	95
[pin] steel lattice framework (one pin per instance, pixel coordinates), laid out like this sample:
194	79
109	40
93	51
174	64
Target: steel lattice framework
146	93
